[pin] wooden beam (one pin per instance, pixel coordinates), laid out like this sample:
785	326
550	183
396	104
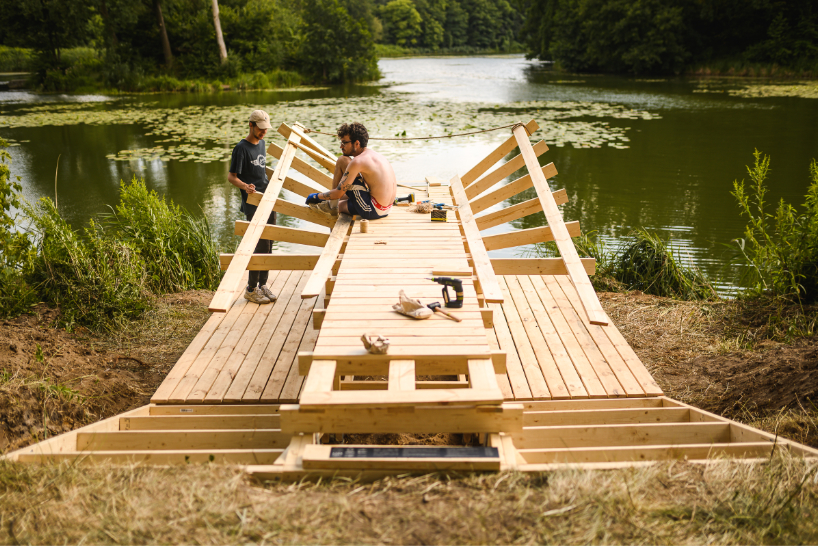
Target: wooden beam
622	435
286	235
576	271
645	453
199	422
499	153
295	210
318	457
323	268
435	362
538	266
526	237
328	164
479	255
274	262
375	399
300	165
169	457
509	190
606	416
402	375
503	171
162	440
517	211
226	292
285	130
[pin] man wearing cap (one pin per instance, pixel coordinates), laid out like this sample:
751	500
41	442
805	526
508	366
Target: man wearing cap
248	174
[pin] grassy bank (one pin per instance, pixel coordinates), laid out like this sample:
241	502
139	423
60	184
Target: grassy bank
387	51
741	68
678	503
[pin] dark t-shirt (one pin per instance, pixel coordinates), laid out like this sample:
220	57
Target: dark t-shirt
249	162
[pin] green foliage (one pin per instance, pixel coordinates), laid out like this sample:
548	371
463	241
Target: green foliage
781	248
177	248
401	23
333	46
96	280
15	59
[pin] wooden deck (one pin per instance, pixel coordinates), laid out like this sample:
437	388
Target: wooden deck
536	370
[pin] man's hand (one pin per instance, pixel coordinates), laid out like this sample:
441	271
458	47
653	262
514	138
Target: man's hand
250	188
313	198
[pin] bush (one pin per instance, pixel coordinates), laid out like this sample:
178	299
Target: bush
96	280
178	248
781	249
15	59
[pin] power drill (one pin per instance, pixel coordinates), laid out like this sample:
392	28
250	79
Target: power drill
457	284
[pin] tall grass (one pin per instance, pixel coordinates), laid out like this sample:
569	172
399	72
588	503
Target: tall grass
16	59
178	248
781	248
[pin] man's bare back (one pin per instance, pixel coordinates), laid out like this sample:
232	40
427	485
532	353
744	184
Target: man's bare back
365	181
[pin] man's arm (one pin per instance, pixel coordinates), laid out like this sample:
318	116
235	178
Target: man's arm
233	178
352	171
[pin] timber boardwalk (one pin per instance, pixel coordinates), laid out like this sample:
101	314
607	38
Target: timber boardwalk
535	371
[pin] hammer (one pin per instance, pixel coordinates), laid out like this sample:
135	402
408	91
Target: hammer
437	309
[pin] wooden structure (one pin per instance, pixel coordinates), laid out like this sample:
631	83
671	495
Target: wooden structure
535	369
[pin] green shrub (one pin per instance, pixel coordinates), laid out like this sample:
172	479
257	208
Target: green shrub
16	59
16	250
96	280
178	248
781	249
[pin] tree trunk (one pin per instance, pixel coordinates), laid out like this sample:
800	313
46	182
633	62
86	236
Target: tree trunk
109	26
164	34
219	38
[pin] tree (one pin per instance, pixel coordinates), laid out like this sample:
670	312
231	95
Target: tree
47	26
456	27
219	38
163	32
402	22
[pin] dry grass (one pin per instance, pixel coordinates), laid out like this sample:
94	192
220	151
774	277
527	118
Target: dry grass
679	503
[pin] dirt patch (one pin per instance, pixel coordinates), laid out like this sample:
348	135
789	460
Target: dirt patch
53	381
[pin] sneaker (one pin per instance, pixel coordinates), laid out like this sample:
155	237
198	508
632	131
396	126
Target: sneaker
267	293
256	296
324	207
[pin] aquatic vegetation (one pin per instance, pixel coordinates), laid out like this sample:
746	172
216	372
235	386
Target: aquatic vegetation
804	90
208	133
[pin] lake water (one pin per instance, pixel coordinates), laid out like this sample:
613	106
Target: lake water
655	153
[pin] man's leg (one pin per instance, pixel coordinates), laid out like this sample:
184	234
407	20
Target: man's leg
257	278
343	206
341	165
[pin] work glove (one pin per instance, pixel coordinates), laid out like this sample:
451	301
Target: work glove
313	199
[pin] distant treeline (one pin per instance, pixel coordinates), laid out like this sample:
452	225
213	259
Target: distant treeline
127	42
672	36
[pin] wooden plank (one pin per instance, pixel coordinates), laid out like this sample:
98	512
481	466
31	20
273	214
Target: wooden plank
537	266
480	257
300	165
647	453
516	375
302	212
295	381
161	440
286	235
409	420
555	347
530	236
481	375
374	399
622	435
274	262
321	377
550	371
504	171
284	130
384	385
227	287
590	302
604	371
617	364
217	409
595	404
606	417
300	188
325	263
321	159
508	214
501	378
587	373
318	457
268	337
169	457
528	360
496	155
199	422
402	375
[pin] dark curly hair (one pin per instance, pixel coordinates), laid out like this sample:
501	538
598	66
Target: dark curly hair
355	131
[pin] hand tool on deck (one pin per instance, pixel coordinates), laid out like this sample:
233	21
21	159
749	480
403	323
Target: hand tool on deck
436	308
457	284
408	199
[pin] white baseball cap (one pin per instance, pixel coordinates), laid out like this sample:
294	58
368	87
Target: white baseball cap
261	119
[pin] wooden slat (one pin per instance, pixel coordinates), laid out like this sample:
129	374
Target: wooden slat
374	399
590	302
479	255
284	130
323	267
227	287
215	409
688	452
274	262
622	435
320	379
318	457
496	155
606	417
300	165
161	440
199	422
321	159
514	368
286	235
167	457
506	170
296	186
509	190
282	206
509	214
530	236
402	375
286	359
295	381
537	266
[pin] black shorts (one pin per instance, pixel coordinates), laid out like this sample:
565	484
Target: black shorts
360	202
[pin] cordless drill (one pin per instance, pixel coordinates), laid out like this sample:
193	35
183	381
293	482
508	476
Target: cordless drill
457	284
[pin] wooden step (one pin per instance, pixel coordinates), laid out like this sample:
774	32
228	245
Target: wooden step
415	458
181	440
189	456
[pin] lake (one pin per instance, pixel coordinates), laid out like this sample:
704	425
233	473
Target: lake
658	153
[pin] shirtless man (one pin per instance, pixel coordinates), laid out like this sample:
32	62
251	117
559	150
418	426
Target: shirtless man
366	183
